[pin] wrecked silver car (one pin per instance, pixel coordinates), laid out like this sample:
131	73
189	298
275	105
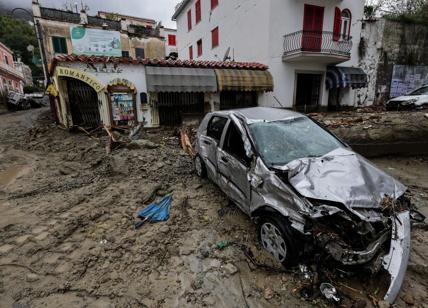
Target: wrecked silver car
306	190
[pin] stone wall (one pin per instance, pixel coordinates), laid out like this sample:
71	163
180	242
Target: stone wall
383	44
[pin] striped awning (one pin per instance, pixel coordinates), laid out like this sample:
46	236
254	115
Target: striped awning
244	80
180	79
342	77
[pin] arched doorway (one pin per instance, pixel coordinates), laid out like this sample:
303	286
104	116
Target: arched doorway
83	102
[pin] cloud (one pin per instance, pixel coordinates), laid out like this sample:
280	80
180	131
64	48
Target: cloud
160	10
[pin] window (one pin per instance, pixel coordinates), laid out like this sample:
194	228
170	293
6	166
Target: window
337	24
125	54
139	53
189	20
199	44
6	59
214	4
215	127
198	11
191	52
214	37
172	40
234	145
59	44
346	24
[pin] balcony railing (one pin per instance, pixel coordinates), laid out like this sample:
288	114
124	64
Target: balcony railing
10	70
322	42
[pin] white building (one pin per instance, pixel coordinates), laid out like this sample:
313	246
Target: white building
297	39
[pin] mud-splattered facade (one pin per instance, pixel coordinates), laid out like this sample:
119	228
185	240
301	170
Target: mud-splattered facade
96	91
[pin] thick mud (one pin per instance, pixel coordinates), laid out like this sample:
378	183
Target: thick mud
67	237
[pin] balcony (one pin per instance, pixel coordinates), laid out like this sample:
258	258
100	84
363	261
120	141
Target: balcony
320	46
10	70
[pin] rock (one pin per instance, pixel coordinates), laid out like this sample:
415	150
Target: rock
185	251
32	277
164	229
230	269
142	144
408	299
383	304
426	115
205	251
268	293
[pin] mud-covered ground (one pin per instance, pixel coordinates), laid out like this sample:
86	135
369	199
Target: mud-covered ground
67	237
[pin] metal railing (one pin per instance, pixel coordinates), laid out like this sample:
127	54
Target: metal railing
324	42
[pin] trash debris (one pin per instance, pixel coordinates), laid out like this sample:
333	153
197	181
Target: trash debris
185	141
329	292
223	244
155	212
426	115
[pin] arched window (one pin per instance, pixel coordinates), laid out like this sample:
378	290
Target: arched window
346	24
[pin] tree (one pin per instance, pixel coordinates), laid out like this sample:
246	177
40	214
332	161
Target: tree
17	34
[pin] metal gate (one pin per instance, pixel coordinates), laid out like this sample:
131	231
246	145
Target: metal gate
174	107
83	103
235	99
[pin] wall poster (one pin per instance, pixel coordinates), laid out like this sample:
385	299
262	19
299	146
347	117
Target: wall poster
123	108
95	42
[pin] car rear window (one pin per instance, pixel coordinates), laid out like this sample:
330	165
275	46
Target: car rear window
216	127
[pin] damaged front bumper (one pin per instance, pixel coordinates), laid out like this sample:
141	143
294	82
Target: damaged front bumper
395	262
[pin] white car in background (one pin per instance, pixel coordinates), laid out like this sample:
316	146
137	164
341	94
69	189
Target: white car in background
415	99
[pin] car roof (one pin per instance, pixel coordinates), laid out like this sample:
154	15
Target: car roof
267	114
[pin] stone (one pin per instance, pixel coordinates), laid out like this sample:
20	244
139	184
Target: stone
383	304
268	293
185	251
164	229
230	269
32	277
408	299
142	144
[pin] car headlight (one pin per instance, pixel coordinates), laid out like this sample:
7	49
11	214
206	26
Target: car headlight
410	101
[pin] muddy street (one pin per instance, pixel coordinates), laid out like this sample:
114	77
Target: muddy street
67	236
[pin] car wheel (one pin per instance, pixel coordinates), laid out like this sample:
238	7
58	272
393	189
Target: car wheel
200	168
275	236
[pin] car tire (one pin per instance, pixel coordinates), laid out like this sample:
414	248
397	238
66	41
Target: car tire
276	237
200	168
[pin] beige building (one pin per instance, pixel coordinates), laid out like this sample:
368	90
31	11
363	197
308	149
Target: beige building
107	34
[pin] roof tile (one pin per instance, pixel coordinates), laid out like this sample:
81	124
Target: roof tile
157	62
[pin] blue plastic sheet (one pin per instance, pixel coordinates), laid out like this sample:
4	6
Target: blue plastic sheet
155	212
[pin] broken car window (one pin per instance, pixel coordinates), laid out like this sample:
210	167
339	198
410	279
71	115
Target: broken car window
234	145
420	91
280	142
215	128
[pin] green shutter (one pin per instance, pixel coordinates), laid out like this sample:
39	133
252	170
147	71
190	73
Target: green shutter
59	44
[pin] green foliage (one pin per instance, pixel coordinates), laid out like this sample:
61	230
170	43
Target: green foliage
17	34
31	89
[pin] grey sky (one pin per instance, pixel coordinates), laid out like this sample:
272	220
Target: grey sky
156	9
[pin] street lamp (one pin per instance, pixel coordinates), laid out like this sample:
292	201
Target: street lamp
39	39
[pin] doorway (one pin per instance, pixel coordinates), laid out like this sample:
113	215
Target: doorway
313	20
308	92
83	101
175	108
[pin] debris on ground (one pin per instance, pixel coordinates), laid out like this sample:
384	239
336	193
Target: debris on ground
65	236
155	212
329	292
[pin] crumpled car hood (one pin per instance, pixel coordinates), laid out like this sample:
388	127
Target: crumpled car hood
343	176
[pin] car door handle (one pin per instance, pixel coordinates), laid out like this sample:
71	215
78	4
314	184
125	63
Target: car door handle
224	159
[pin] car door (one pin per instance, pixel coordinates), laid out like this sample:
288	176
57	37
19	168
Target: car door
209	144
233	166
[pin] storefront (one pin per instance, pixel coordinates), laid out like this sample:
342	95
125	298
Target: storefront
119	92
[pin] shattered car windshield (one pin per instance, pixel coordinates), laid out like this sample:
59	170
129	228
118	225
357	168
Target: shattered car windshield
420	91
280	142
